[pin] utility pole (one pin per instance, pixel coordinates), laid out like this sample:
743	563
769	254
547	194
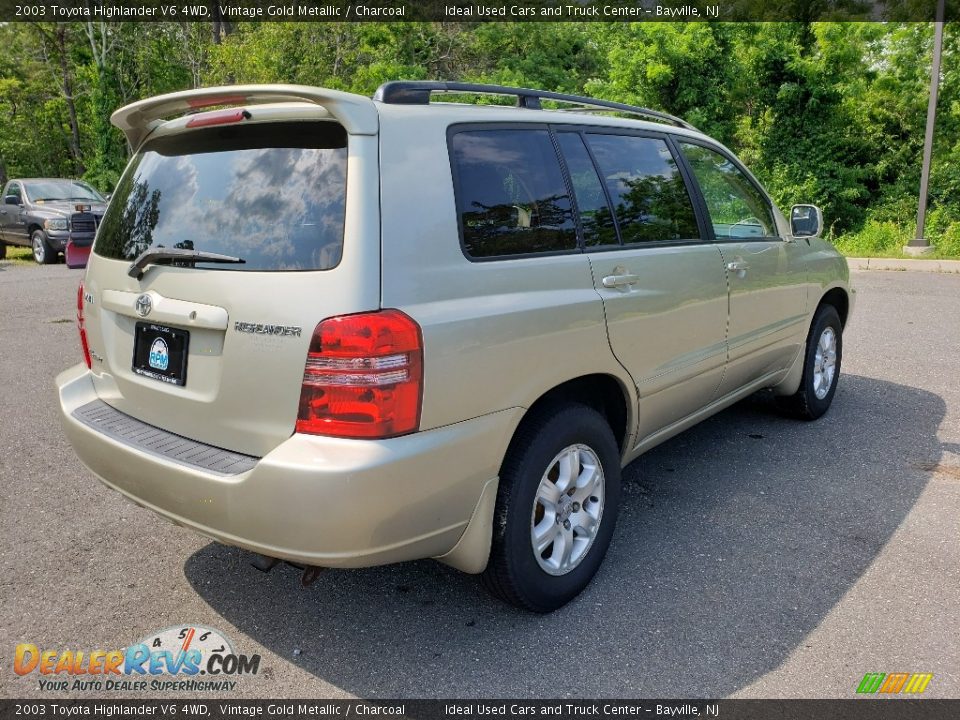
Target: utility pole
919	245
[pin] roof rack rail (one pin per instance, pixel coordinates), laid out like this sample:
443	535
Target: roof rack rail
418	92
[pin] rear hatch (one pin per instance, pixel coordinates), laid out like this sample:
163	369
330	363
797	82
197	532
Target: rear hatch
215	352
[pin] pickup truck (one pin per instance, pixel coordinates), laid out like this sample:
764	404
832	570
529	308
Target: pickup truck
45	213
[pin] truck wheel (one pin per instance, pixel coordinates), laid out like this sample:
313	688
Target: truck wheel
42	252
556	508
3	250
821	367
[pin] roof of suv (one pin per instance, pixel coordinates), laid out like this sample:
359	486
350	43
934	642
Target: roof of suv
360	114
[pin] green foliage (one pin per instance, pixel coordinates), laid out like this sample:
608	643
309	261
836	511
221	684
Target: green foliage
875	238
830	113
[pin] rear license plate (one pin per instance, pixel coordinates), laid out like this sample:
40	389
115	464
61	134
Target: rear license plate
160	352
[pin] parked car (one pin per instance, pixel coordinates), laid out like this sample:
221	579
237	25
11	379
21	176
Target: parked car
44	213
344	331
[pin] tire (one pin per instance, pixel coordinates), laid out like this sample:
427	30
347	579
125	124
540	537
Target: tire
3	250
824	345
556	438
42	252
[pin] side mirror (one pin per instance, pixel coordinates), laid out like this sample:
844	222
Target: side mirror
806	221
11	200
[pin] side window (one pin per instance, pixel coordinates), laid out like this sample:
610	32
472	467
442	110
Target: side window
511	197
649	195
737	208
595	216
14	189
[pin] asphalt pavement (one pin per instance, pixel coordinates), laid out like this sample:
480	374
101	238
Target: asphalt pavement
755	556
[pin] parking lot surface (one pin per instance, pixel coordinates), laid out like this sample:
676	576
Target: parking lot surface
755	556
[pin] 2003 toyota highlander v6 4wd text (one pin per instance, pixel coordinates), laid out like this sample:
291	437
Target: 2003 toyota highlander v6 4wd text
344	331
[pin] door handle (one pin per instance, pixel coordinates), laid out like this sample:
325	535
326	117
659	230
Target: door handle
615	281
738	266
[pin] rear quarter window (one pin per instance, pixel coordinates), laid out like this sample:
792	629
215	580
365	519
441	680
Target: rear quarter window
510	193
272	193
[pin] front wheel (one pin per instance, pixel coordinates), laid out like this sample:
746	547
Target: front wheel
42	252
557	505
821	367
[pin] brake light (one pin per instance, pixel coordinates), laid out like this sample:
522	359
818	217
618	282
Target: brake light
219	117
363	377
82	328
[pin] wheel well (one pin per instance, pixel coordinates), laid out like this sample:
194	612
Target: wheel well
601	392
838	298
32	227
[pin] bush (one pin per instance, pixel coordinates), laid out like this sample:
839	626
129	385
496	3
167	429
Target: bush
876	238
948	244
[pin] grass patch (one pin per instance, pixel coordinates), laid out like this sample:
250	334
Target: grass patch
885	239
17	255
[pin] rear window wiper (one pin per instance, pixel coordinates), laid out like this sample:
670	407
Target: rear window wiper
152	255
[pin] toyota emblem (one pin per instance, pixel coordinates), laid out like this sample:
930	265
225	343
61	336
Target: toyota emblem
144	305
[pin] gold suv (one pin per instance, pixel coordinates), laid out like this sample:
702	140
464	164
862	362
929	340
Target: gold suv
344	331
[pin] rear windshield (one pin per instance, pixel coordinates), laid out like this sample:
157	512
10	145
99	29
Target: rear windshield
272	194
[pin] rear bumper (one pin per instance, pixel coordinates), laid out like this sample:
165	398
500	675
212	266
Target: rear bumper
313	500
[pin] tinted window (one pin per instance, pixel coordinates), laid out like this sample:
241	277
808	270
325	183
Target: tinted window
595	216
737	209
272	194
14	189
511	196
648	193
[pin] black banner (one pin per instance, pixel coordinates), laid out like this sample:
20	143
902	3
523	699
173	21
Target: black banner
470	11
853	709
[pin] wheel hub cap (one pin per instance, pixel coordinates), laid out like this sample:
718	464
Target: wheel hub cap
825	363
567	509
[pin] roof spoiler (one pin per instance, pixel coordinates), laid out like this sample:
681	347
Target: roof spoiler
356	113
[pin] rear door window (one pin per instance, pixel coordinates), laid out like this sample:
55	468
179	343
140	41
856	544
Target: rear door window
596	219
272	193
511	197
737	208
648	192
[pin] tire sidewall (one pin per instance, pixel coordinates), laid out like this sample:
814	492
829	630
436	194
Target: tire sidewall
571	426
827	316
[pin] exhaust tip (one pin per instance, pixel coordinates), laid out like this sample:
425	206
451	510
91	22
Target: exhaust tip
263	563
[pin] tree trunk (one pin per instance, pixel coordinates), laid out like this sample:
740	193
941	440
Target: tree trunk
67	84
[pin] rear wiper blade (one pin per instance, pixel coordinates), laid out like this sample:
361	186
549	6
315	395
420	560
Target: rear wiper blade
152	255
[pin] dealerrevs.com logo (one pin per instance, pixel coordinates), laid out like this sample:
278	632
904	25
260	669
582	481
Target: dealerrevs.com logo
183	657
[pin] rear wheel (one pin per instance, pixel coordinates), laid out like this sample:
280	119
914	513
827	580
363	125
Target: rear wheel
821	367
3	250
42	252
556	508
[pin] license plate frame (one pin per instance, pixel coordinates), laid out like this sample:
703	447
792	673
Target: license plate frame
160	353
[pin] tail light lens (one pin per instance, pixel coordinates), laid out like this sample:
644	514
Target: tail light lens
363	377
82	328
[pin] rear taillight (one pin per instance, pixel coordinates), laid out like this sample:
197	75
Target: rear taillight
82	328
364	377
